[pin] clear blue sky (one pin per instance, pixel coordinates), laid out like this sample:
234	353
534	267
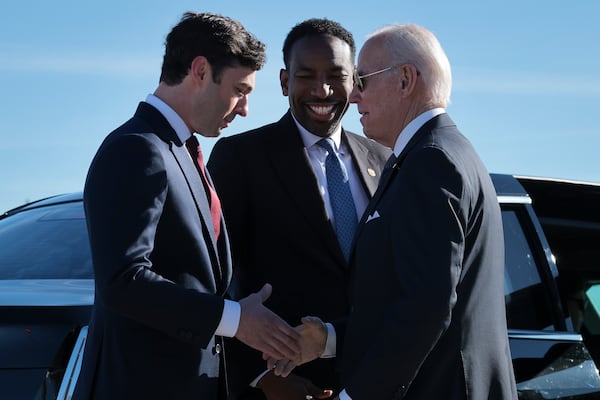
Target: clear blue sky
526	78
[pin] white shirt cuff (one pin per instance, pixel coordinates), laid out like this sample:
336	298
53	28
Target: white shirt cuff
255	382
344	396
330	345
230	319
329	352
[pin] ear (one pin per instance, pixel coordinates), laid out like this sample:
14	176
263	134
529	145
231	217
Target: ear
199	69
284	77
408	78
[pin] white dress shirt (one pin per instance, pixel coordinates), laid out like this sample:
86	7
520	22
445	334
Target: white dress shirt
409	130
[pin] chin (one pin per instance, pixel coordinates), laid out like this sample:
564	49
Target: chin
374	137
211	134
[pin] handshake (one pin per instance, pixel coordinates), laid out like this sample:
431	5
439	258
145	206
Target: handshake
312	340
282	346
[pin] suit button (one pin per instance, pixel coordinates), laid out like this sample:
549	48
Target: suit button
216	349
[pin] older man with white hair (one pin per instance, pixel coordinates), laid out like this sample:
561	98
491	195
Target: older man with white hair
428	318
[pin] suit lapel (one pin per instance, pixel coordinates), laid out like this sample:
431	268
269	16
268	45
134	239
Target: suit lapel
164	130
224	258
440	120
222	243
196	188
291	165
365	164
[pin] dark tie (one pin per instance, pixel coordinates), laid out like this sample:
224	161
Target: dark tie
342	203
387	168
215	204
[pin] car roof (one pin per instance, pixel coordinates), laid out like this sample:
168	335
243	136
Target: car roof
506	185
509	190
48	201
564	199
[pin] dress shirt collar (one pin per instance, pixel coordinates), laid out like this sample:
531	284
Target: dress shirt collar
409	130
176	122
309	139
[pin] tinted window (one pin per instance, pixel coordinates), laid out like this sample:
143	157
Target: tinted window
527	306
45	243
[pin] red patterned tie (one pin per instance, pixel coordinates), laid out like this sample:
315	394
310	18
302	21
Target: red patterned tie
215	204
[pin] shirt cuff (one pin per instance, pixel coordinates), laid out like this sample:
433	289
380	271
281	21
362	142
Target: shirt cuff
230	319
344	395
330	346
258	378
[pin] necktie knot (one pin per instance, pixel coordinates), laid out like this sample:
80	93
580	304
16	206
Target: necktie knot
387	169
332	157
193	147
391	161
327	144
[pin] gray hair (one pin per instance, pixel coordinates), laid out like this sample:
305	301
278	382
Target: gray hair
413	44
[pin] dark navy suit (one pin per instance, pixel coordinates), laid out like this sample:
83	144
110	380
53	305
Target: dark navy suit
280	233
160	274
428	317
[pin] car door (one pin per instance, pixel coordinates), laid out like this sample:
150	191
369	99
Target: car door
550	360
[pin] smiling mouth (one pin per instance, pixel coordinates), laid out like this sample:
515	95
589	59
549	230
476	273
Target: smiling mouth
322	109
227	122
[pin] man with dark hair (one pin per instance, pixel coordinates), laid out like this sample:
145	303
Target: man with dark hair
288	226
159	245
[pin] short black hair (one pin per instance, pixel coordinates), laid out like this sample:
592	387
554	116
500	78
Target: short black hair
224	42
315	27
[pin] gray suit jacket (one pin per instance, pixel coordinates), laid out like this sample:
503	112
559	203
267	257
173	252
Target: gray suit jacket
428	315
160	274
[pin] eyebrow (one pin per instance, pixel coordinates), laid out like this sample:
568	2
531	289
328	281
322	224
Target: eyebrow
244	87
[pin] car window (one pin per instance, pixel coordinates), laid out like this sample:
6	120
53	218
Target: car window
527	305
45	243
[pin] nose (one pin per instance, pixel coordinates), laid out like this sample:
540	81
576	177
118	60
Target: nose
322	90
355	95
242	106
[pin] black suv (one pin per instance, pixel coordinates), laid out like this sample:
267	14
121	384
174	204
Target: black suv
552	239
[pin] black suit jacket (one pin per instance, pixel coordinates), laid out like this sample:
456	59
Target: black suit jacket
280	232
428	316
160	274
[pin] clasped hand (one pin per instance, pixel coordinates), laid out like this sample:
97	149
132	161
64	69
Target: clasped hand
265	331
313	338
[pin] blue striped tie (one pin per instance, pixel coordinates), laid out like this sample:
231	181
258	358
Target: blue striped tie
338	186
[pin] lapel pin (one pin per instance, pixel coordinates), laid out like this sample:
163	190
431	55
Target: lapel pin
371	172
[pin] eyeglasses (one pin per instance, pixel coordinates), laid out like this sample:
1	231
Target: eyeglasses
359	79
